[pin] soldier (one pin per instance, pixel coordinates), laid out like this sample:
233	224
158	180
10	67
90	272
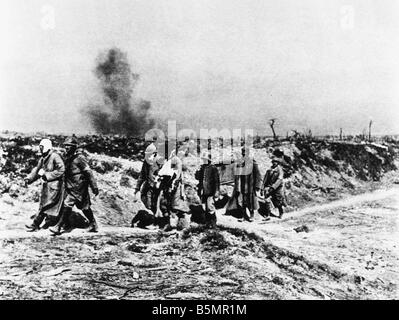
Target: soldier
208	187
78	178
147	179
50	169
188	147
247	184
171	207
273	188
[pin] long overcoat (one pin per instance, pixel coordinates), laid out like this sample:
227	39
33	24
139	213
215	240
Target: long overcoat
274	183
78	178
52	194
247	179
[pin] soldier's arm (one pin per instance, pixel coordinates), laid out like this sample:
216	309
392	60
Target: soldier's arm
257	175
197	174
141	178
279	180
33	176
59	169
86	170
264	180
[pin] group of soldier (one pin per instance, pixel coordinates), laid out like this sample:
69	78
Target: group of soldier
250	192
65	184
160	187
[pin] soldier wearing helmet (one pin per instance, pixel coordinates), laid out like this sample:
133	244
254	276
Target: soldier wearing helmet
78	178
208	187
272	188
146	183
50	169
171	192
247	184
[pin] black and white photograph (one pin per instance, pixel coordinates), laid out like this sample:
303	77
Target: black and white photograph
167	151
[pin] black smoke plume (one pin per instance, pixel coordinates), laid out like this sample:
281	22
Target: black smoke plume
120	112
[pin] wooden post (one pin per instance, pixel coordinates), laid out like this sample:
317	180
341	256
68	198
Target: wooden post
370	123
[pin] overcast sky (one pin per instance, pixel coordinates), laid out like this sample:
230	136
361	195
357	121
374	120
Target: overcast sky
312	64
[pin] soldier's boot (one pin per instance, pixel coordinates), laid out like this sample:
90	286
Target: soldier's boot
268	211
281	212
93	227
37	221
251	216
48	223
211	219
247	217
65	213
243	213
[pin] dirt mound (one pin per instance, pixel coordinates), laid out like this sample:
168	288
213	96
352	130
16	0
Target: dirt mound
20	151
219	264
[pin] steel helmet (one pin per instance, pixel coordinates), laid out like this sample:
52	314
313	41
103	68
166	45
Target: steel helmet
71	141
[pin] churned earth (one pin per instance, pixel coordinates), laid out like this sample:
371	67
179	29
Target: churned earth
346	249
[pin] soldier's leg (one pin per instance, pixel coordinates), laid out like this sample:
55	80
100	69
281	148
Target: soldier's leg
251	215
241	214
246	205
280	211
244	212
146	198
174	213
169	215
153	198
241	208
66	211
198	213
268	210
92	221
210	212
49	222
136	219
37	221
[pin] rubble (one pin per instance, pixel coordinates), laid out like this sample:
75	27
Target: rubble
126	181
302	228
14	190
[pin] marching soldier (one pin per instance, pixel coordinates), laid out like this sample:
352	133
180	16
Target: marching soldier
208	187
247	184
148	178
50	169
171	207
78	178
273	188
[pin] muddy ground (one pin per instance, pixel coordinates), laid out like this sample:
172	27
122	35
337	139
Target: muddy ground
348	250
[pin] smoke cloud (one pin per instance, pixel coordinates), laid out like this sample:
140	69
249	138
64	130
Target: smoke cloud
120	112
